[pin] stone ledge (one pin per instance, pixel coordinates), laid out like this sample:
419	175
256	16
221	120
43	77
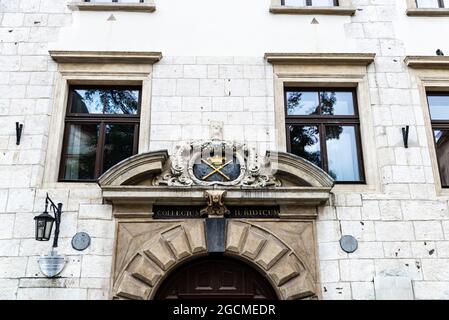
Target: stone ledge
427	62
130	7
339	11
428	12
321	58
299	196
105	56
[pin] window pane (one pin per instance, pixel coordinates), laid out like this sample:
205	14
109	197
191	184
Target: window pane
446	3
302	103
342	153
105	101
293	3
442	149
305	142
337	103
427	3
81	152
315	3
119	141
439	107
322	3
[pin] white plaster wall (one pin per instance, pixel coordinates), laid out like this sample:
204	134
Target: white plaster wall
206	28
420	35
242	28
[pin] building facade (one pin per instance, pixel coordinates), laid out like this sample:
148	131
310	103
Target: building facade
225	148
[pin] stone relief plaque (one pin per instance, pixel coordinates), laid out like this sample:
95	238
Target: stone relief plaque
217	162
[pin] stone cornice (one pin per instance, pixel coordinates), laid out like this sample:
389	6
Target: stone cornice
321	58
299	196
428	12
105	57
92	6
340	11
427	62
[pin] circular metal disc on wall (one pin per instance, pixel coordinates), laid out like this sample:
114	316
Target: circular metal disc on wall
349	244
80	241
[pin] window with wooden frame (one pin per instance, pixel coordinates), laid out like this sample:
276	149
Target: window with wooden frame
432	3
310	3
439	115
323	126
101	129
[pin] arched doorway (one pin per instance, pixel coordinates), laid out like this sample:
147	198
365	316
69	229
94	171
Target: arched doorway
214	278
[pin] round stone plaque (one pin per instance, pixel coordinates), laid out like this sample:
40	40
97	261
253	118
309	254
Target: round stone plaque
80	241
348	244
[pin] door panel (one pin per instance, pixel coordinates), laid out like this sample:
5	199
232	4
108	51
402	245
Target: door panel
216	278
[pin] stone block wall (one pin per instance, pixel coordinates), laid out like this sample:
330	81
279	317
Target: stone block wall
27	75
403	230
190	92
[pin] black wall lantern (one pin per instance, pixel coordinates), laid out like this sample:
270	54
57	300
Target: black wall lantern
44	222
51	264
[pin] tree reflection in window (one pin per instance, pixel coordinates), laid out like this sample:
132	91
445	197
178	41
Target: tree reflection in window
101	130
305	142
323	129
105	101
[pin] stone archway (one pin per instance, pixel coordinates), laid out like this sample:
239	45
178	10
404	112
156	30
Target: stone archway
289	270
282	247
214	278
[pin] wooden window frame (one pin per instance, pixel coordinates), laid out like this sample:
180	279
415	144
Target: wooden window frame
437	125
102	120
309	3
327	120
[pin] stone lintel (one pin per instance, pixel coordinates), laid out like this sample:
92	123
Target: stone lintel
321	58
97	6
125	57
427	62
428	12
331	10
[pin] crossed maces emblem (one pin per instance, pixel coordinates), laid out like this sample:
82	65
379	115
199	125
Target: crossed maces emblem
217	168
217	164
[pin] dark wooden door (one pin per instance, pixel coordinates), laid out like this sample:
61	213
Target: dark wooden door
216	278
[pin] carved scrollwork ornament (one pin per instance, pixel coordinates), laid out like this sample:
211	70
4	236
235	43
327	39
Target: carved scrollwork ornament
217	162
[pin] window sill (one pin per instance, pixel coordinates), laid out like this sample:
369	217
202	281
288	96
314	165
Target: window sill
130	7
340	11
420	12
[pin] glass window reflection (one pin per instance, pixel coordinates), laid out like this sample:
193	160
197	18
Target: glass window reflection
439	107
81	151
442	150
337	103
314	3
427	3
305	142
342	153
105	101
118	144
302	103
